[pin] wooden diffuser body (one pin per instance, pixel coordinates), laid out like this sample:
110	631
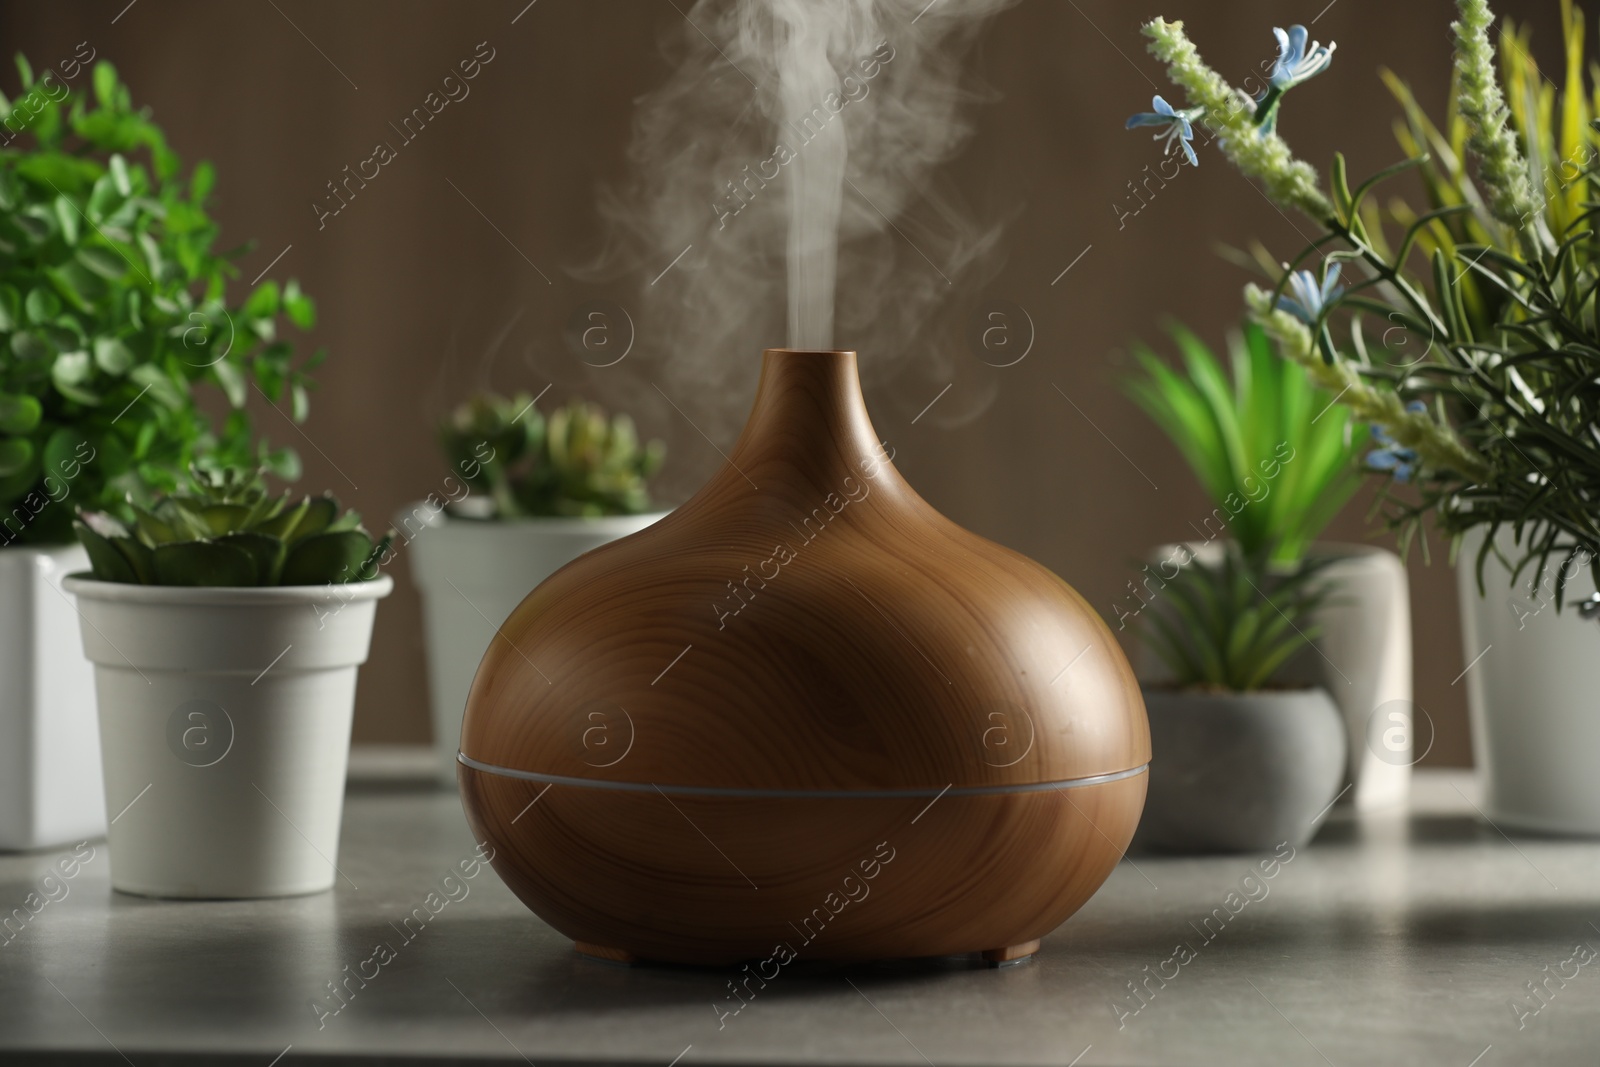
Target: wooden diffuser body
804	715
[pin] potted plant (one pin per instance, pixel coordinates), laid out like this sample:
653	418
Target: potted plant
527	495
1480	371
113	326
226	626
1239	762
1276	457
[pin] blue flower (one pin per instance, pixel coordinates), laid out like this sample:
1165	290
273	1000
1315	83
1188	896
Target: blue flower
1295	63
1310	298
1178	129
1398	461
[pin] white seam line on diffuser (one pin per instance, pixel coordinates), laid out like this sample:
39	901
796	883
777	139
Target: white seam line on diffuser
1122	853
1502	833
1332	802
1292	1026
1471	665
131	803
524	11
124	11
1102	433
499	231
535	400
924	11
713	44
710	842
132	402
931	803
313	44
897	630
674	263
1486	1048
932	402
674	663
1080	1055
532	802
681	1055
890	1021
97	630
263	274
1074	662
90	1021
499	632
307	436
702	433
304	838
1297	630
271	665
490	1021
1331	403
285	1052
101	232
1074	263
899	231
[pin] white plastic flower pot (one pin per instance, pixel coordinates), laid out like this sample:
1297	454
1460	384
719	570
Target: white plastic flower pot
472	574
50	791
225	731
1532	676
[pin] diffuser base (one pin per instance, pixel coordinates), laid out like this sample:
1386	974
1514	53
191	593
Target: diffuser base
1011	954
601	952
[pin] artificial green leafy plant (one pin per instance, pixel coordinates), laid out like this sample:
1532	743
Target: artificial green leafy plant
1230	625
1272	450
228	531
1466	332
575	462
114	318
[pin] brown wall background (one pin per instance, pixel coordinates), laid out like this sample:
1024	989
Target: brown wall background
421	299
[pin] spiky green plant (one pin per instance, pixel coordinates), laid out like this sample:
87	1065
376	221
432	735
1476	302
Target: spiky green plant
1231	621
1486	376
1272	450
574	462
229	532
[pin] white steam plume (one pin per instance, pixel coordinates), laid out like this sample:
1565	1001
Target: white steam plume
793	152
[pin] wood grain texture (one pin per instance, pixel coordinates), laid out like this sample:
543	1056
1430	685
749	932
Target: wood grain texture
717	880
805	623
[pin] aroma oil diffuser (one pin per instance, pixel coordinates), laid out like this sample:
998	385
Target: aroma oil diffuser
804	715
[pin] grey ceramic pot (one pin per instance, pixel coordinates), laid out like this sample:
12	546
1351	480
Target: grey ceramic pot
1239	772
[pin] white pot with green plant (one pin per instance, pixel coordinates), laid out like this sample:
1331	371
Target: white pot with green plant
528	494
1276	458
113	326
1241	758
226	627
1465	333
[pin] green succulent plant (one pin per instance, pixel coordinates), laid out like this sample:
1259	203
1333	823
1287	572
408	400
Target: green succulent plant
115	317
1232	620
574	462
229	532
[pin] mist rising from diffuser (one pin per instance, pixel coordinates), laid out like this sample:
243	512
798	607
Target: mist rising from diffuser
762	177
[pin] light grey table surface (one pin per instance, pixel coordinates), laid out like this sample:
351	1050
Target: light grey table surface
1400	938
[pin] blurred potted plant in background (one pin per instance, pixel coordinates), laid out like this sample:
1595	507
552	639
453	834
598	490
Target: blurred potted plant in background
1490	427
1276	456
1241	760
528	494
113	322
226	627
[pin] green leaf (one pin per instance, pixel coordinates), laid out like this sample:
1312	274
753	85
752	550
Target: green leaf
65	446
266	551
107	563
204	563
19	414
16	455
327	557
105	83
112	356
42	306
232	381
71	368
